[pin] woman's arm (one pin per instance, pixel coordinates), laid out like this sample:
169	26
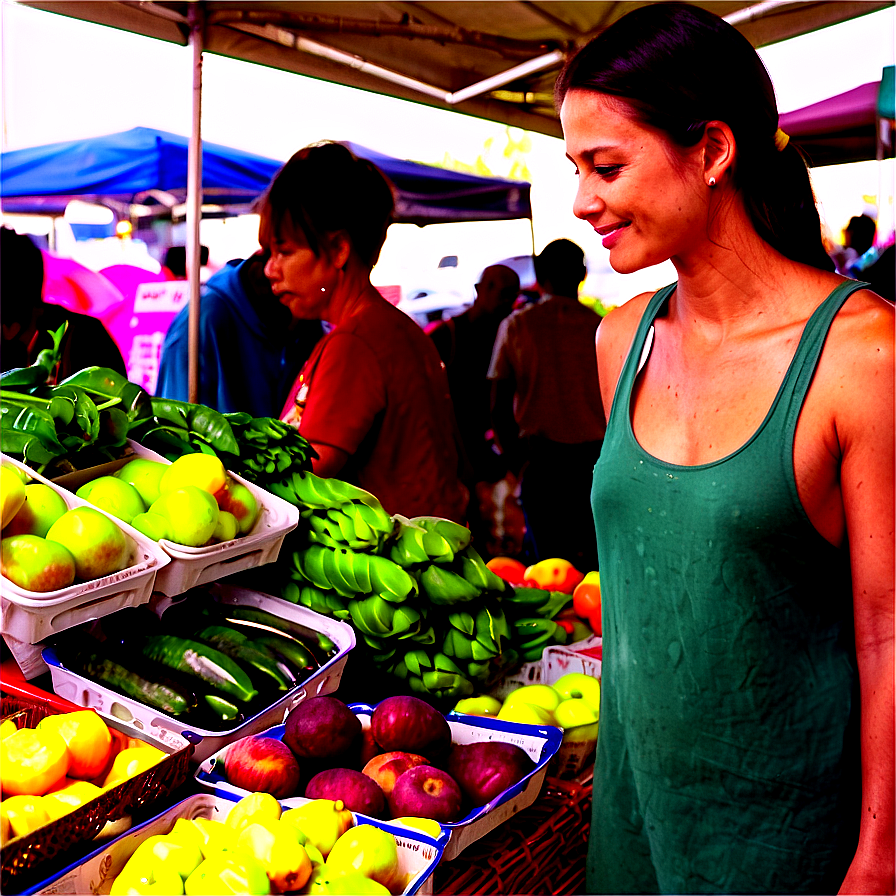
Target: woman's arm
866	431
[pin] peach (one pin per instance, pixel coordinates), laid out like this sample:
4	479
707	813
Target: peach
386	768
262	764
358	792
426	792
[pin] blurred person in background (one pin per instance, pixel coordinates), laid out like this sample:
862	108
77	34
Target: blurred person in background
27	320
373	397
546	407
250	347
744	495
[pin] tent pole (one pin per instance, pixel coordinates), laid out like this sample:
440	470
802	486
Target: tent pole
194	199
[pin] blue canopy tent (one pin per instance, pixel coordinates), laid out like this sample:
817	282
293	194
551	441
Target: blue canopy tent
145	170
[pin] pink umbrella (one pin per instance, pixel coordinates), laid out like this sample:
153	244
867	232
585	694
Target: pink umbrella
76	287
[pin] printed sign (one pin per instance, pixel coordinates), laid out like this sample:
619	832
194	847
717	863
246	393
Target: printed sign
167	296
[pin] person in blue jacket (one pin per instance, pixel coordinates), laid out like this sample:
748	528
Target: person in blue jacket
250	349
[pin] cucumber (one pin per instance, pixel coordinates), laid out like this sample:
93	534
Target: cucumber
206	663
239	647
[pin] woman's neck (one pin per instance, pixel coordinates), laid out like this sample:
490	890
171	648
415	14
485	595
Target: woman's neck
353	292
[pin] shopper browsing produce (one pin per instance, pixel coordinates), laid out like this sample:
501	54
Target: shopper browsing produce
744	493
372	399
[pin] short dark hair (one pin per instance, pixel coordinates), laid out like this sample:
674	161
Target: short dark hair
561	265
324	189
680	66
21	271
861	229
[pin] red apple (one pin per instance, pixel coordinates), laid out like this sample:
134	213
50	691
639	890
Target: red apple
369	747
386	768
262	764
411	725
487	768
322	727
426	792
358	792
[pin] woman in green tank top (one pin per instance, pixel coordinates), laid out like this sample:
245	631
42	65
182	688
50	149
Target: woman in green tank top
744	497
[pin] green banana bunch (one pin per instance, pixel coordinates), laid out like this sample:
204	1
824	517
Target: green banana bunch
531	635
375	616
539	601
434	674
474	570
443	586
350	572
478	637
354	525
325	602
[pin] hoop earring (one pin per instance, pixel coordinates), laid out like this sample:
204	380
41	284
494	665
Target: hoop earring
711	182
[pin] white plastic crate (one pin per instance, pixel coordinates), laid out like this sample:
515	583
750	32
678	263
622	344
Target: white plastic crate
418	854
541	743
189	567
324	680
28	617
559	659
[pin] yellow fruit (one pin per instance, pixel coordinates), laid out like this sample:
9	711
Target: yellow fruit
88	738
202	470
368	850
276	845
24	813
131	762
12	493
7	727
69	796
32	761
427	825
252	808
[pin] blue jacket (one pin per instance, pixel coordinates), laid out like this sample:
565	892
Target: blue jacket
247	360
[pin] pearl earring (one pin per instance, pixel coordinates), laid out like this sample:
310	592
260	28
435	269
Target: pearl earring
712	182
323	289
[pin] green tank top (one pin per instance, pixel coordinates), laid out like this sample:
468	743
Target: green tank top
727	760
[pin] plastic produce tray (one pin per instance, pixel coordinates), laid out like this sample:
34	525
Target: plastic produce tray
324	680
28	617
541	743
23	859
189	567
418	854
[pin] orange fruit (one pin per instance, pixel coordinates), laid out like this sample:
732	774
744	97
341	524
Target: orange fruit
32	762
88	738
586	601
508	568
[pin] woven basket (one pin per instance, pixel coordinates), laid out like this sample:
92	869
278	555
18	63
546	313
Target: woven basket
541	850
23	861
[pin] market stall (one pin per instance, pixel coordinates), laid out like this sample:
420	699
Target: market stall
186	605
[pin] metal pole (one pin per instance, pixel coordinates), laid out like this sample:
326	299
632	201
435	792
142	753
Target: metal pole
194	199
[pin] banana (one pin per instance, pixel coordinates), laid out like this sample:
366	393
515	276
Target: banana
346	569
474	570
455	534
313	491
462	620
443	663
408	549
291	592
447	684
390	580
372	615
425	636
331	570
442	586
406	622
458	645
375	517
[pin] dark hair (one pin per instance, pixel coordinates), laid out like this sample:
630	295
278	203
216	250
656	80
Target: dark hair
323	189
679	67
861	229
561	265
21	274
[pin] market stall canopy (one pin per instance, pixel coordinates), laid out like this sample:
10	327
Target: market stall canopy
843	128
146	169
497	60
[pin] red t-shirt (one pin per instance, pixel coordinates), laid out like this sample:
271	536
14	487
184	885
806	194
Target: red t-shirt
375	388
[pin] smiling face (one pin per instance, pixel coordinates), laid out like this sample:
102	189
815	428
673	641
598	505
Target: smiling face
302	281
645	198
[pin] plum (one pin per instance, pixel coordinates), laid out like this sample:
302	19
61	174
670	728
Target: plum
410	725
322	727
425	791
487	768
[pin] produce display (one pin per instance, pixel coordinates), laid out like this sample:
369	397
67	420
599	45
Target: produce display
192	501
425	604
55	767
260	849
47	546
208	664
404	766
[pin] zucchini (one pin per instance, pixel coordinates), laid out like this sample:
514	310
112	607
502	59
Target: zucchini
206	663
256	616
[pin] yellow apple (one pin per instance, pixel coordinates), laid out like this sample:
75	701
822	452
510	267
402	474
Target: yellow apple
578	684
542	695
526	714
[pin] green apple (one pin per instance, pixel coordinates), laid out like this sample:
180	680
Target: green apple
526	714
113	495
228	872
35	564
227	527
191	512
578	684
152	525
368	850
95	541
483	705
203	471
235	498
542	695
574	712
145	475
43	506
